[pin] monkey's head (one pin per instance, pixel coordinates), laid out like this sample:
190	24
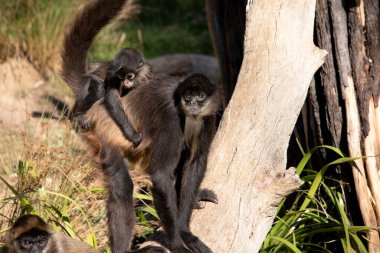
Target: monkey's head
29	234
197	96
130	67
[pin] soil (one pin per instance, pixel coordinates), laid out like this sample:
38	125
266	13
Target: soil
22	102
21	89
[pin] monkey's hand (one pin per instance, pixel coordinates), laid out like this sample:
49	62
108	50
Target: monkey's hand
136	140
83	123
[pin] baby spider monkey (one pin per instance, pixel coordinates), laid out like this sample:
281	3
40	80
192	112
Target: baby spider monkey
127	71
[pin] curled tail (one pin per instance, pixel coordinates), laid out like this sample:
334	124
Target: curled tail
79	37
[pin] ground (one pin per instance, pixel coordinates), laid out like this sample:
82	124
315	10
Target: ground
35	136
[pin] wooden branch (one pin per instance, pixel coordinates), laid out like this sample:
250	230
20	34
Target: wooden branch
340	35
354	133
360	129
247	161
372	21
333	111
372	148
361	185
360	64
315	117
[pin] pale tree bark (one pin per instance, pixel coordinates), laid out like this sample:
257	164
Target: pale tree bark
247	161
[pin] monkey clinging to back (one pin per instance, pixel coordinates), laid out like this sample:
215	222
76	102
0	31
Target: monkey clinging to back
127	71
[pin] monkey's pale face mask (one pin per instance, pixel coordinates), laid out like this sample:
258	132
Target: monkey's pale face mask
32	242
193	102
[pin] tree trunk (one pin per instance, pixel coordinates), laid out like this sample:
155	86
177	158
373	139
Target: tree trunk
247	161
342	107
357	85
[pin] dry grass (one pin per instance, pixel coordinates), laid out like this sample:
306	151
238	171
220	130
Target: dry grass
44	167
53	168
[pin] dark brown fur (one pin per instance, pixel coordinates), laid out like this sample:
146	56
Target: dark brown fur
127	71
151	110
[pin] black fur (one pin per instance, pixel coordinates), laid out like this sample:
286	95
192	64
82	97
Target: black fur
125	67
192	166
81	35
160	121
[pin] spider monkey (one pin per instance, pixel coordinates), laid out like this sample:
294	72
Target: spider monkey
31	234
152	111
197	100
127	71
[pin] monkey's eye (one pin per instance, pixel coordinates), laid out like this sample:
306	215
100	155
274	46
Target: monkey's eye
140	65
41	242
120	74
187	96
201	96
130	76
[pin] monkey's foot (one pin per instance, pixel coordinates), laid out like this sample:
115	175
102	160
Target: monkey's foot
205	195
136	140
180	250
193	242
83	124
151	249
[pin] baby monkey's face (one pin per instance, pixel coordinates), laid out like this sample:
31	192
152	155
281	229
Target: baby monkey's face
130	67
130	76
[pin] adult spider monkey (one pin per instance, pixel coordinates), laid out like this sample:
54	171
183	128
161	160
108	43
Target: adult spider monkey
198	101
31	234
152	111
127	71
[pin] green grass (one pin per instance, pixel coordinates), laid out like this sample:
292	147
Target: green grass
315	218
163	27
34	29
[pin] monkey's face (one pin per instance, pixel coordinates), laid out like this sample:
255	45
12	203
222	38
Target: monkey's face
193	102
131	76
130	67
197	96
32	241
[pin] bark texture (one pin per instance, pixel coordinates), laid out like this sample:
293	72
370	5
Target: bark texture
247	161
355	77
342	107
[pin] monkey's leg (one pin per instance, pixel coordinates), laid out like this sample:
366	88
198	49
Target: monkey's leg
161	170
192	176
121	215
113	105
92	91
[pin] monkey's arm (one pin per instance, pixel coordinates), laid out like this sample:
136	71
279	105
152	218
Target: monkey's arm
115	110
91	92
